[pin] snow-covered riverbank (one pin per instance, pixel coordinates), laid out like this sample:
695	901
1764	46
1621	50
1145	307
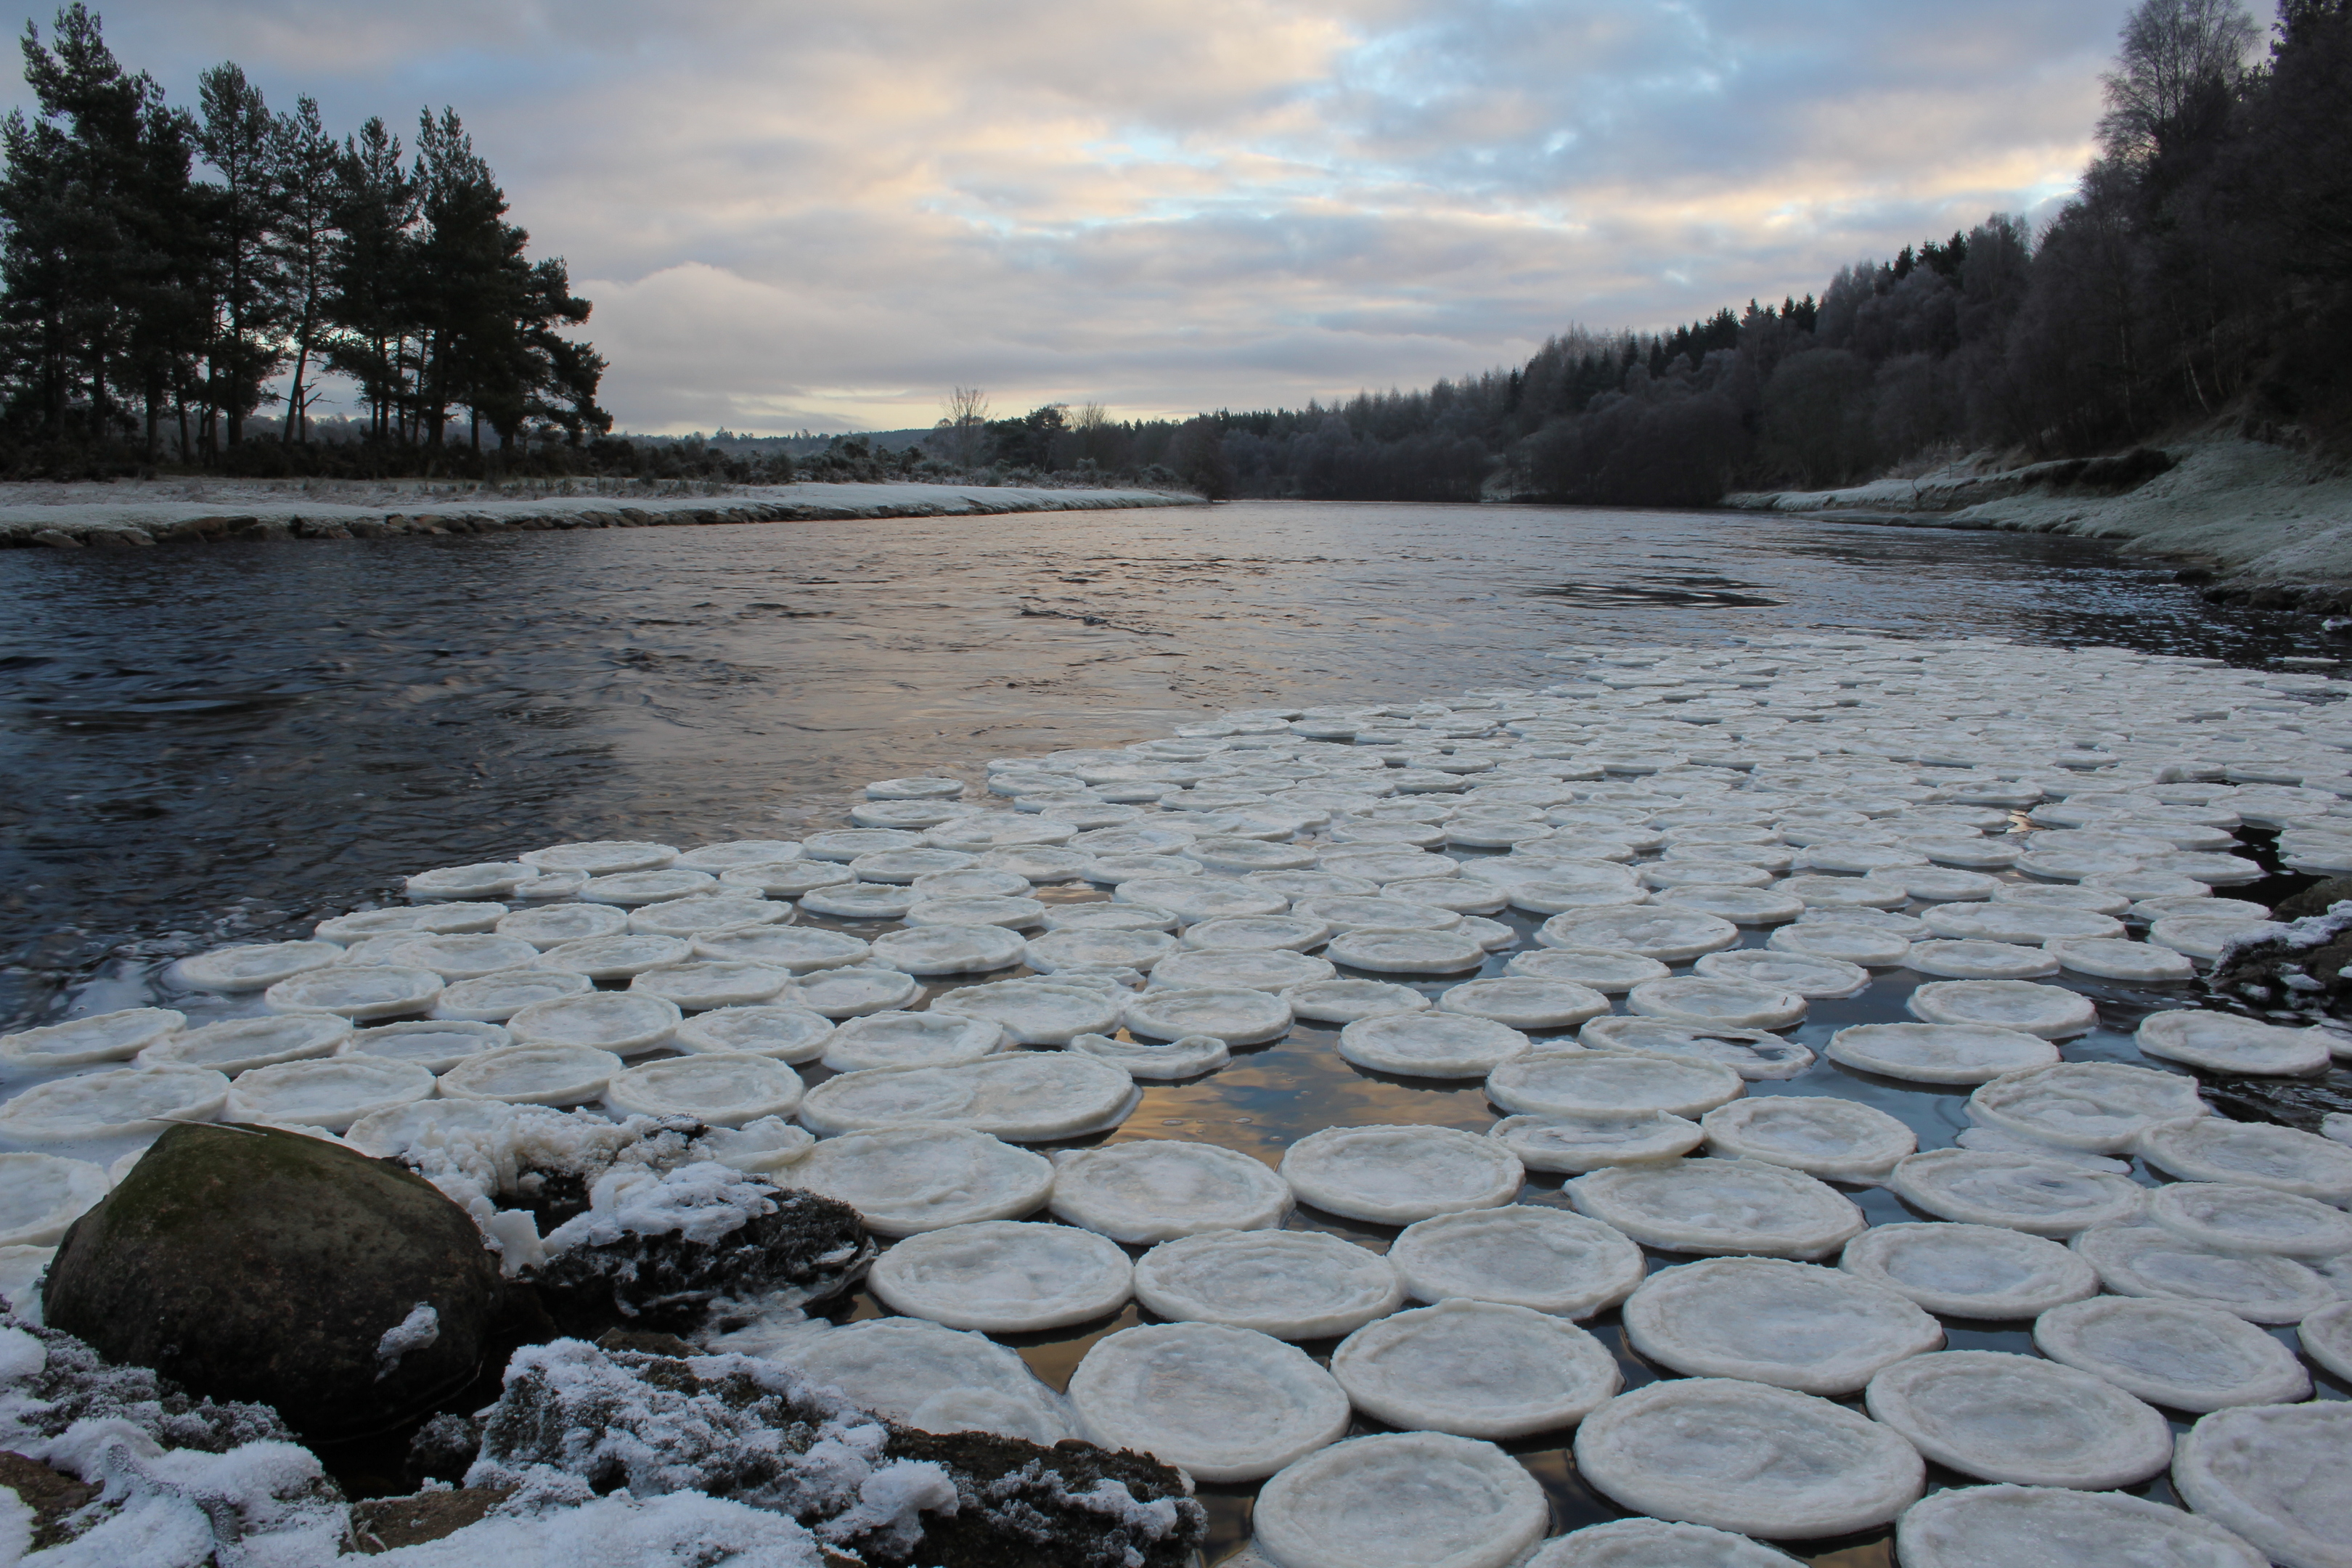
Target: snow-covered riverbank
138	515
2274	524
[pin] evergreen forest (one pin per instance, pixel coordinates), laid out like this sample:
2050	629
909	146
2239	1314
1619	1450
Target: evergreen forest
167	271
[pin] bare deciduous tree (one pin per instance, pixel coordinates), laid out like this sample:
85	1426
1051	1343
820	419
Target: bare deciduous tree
965	424
2179	62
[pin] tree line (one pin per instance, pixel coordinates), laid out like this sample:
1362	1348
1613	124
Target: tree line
2202	269
162	269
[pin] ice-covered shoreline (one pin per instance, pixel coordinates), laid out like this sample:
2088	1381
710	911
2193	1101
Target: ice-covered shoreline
2274	525
59	517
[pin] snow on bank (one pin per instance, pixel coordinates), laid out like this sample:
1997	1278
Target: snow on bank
139	515
2260	512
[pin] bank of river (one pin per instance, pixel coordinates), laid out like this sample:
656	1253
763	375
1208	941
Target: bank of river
2263	524
135	517
227	748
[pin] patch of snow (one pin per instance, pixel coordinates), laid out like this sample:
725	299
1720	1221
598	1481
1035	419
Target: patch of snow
415	1331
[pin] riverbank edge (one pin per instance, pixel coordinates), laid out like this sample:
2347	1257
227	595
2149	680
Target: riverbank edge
2252	523
95	525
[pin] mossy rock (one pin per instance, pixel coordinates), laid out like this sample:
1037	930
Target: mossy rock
250	1263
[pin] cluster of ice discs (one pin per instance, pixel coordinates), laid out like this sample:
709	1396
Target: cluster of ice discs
1704	844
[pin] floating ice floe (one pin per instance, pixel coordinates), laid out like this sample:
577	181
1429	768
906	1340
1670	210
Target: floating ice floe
788	1033
932	1038
2226	1216
2271	1474
2177	1354
1476	1369
1719	1206
924	1176
1396	1175
1939	1053
1024	1097
1586	1082
929	1377
1654	1543
1580	1142
1156	1189
1748	1457
1795	1325
2149	1260
1520	1255
1186	1057
2040	1197
1221	1403
2283	1159
1404	1499
1004	1276
2219	1042
1292	1284
2100	1107
2018	1418
1838	1139
239	1045
1964	1271
1998	1526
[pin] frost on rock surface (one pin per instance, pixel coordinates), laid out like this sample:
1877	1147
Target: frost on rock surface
573	1421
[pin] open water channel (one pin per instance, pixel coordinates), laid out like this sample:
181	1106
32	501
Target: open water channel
231	742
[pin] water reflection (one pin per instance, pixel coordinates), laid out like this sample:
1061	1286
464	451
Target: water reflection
240	739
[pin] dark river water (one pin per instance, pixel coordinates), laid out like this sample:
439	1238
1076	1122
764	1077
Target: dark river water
239	740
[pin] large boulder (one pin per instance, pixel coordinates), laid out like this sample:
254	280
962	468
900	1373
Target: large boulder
254	1264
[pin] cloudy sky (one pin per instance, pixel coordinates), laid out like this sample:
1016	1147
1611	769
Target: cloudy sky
796	214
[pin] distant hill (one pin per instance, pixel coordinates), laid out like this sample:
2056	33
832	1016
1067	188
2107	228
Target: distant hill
801	445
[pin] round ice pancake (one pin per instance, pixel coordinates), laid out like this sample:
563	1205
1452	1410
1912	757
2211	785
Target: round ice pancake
2110	958
533	1075
801	949
1402	1499
1348	1001
1396	1175
495	997
2100	1107
854	990
1383	951
1798	974
2274	1474
626	954
1157	1061
924	1176
788	1033
1476	1369
556	924
2252	1154
41	1194
2148	1260
1156	1189
1719	1206
910	1039
2019	1418
2039	1527
1291	1284
1248	969
1983	1271
2050	1011
1795	1325
1939	1053
1750	1458
1666	934
625	1023
1520	1255
1844	942
2179	1354
255	967
1137	949
1004	1276
1430	1044
1838	1139
1587	1142
1754	1054
1581	1082
1024	1096
1654	1543
928	1377
702	984
1235	1014
2232	1219
723	1090
330	1093
2326	1338
949	949
435	1045
1034	1012
1221	1403
1611	972
239	1045
2224	1043
356	991
1520	1002
2040	1197
1721	1003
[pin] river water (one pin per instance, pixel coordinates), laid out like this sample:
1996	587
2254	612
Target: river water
236	740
